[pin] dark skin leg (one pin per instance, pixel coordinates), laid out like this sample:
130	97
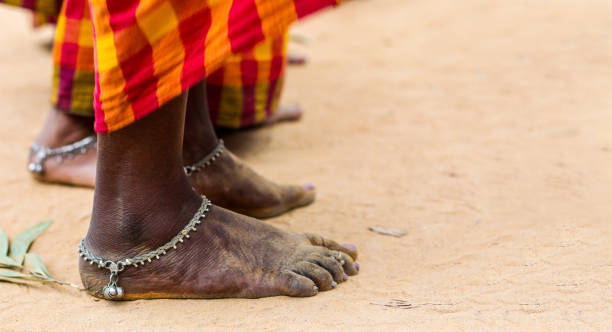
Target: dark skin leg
143	198
227	181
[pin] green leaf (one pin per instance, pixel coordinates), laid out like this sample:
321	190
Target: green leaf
6	273
8	262
4	244
13	274
298	39
23	240
36	265
10	274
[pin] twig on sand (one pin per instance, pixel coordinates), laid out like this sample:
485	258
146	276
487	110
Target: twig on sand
395	304
387	231
402	304
45	278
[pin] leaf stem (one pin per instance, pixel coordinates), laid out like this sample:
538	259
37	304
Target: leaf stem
45	278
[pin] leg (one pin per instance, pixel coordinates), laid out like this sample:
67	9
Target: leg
61	129
143	198
227	181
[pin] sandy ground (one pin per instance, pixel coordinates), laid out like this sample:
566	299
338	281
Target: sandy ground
480	127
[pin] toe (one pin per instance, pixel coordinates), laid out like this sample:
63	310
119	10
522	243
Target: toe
297	285
348	264
285	113
291	112
332	266
350	246
308	186
318	240
317	274
297	196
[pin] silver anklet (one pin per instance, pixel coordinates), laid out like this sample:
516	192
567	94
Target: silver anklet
207	160
114	292
41	153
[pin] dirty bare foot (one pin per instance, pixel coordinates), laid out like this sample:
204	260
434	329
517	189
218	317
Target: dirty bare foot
230	183
229	255
61	129
227	181
285	113
138	207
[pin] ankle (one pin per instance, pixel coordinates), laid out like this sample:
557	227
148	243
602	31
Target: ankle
199	135
124	226
142	196
62	128
195	148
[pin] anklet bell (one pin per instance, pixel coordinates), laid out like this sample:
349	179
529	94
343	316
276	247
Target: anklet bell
113	292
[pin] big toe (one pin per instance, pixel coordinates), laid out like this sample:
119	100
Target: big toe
318	240
297	196
290	197
285	113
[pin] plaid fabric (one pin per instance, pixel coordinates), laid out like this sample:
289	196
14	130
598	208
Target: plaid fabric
43	11
150	51
39	19
246	90
46	8
73	60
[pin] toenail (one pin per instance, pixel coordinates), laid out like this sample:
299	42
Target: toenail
334	284
350	246
308	186
344	277
315	289
357	266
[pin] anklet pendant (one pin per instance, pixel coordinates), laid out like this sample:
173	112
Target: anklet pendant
114	292
207	160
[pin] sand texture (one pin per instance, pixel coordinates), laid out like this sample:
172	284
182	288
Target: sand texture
481	127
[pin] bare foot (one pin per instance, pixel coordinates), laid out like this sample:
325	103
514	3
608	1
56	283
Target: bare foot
229	256
285	113
227	181
61	129
230	183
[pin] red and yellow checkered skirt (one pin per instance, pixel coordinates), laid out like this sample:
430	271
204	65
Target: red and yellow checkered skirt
150	51
243	92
